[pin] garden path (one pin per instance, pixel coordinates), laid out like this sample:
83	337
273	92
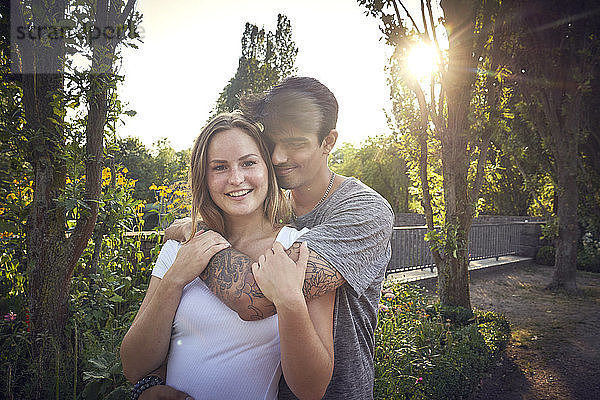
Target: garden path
554	351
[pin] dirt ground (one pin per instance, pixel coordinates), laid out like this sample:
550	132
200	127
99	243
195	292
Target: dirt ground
554	351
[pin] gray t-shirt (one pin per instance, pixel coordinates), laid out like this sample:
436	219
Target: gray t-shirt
352	231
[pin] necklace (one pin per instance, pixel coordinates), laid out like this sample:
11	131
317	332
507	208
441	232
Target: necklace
322	198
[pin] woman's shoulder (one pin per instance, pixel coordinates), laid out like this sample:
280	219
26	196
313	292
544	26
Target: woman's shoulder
288	235
166	258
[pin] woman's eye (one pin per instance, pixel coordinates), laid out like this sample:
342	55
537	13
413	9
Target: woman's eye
248	163
219	168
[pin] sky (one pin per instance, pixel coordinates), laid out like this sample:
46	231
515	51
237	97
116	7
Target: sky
191	50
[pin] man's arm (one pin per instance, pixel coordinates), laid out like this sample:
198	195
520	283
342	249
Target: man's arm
229	276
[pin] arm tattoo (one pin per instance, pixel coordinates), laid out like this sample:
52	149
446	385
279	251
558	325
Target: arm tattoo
320	277
229	276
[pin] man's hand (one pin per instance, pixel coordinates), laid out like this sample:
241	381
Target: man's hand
163	392
192	257
180	230
280	278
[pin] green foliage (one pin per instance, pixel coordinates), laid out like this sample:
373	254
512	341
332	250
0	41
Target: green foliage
160	165
550	229
105	379
503	191
446	240
529	153
106	290
15	339
267	58
422	354
495	330
380	164
103	305
588	255
546	255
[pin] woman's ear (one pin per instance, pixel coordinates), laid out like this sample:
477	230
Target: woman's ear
329	141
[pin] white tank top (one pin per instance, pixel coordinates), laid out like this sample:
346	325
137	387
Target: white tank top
214	354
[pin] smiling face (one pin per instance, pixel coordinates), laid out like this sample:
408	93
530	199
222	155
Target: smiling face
298	123
236	176
298	157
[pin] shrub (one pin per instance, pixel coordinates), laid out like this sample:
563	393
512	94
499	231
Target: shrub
545	255
588	255
432	352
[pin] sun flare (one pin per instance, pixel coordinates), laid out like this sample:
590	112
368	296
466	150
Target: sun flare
422	61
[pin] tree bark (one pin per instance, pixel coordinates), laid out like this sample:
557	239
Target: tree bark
453	273
565	270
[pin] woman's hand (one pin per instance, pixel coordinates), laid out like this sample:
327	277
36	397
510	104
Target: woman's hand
193	257
280	278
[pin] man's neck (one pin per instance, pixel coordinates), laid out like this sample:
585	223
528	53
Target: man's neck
306	197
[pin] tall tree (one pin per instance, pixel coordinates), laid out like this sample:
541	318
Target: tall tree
267	58
447	105
555	55
50	84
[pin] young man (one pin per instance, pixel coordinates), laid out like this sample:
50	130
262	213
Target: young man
349	238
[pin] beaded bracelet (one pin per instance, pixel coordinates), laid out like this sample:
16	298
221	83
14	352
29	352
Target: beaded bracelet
145	383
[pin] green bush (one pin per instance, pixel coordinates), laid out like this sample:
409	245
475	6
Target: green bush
431	352
588	254
545	255
108	285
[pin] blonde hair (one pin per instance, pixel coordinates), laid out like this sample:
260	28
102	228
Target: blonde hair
276	206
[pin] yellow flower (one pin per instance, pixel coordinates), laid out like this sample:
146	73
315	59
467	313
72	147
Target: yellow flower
11	196
140	215
125	170
143	269
68	180
106	173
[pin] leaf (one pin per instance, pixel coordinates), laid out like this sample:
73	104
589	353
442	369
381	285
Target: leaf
87	375
116	298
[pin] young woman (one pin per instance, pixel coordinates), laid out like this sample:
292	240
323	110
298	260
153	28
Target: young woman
209	351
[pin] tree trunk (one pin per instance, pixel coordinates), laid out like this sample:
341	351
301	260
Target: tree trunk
453	273
568	229
453	277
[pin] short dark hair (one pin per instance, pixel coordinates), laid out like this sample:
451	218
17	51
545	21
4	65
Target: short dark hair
283	104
